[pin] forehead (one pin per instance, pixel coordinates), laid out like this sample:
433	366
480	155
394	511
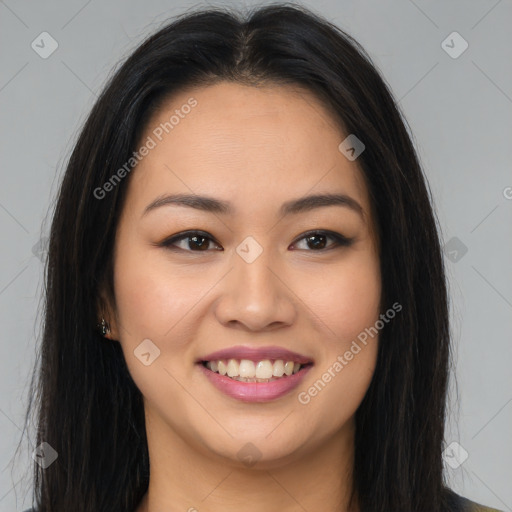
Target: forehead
272	142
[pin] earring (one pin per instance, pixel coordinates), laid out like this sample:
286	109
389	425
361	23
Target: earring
103	327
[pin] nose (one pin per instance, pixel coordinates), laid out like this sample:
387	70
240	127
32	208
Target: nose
255	296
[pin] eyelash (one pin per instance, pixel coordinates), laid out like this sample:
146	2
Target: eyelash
339	240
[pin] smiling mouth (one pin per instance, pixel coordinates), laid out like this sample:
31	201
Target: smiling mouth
246	370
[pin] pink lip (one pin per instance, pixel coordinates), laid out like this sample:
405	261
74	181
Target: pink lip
256	354
255	391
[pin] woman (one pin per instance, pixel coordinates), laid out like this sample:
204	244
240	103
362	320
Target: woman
245	217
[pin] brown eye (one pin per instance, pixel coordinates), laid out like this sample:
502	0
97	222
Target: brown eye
192	241
199	242
317	241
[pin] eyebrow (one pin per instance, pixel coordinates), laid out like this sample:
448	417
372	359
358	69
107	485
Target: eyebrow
295	206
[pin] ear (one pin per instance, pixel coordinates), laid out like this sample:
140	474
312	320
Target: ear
105	309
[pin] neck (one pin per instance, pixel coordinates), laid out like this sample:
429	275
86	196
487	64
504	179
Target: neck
183	477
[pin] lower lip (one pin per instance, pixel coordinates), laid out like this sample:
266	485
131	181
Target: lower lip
255	391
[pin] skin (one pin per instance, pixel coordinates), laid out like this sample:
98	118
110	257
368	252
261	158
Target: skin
256	148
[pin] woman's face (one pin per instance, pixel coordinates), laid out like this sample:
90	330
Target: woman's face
262	275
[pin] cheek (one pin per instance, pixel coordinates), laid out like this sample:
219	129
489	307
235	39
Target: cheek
151	301
348	305
334	396
344	299
349	355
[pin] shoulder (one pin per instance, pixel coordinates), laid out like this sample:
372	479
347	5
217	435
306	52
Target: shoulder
472	506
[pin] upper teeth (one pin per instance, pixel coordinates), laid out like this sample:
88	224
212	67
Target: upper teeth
260	370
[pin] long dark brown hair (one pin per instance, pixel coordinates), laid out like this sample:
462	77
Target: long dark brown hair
86	405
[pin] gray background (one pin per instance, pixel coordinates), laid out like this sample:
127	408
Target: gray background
459	110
